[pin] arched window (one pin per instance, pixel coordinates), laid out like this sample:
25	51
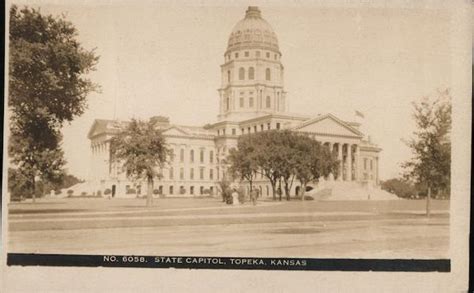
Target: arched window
251	73
228	76
241	73
268	75
268	102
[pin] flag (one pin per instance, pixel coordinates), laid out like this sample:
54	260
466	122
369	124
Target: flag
360	114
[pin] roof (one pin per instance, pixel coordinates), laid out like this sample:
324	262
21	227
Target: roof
253	31
104	126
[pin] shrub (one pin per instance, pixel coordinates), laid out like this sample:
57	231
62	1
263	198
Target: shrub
107	191
241	196
229	200
131	191
206	191
224	186
57	192
70	192
400	187
83	193
99	193
182	190
156	191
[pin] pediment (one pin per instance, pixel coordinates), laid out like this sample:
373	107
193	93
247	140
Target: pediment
175	131
328	125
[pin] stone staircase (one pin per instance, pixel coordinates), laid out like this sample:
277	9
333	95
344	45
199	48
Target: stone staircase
337	190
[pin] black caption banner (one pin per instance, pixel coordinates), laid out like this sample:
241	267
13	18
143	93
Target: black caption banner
232	263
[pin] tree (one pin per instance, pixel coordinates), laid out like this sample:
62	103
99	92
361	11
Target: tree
430	165
47	87
313	161
402	188
242	160
142	152
281	156
268	157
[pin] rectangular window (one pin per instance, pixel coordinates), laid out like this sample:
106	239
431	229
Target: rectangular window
268	54
171	155
247	54
261	127
251	102
201	173
181	155
243	131
257	54
211	157
191	189
191	174
171	189
217	172
218	132
255	128
241	102
248	130
278	125
371	166
211	174
233	131
268	126
181	173
223	131
171	173
365	163
191	156
236	55
201	156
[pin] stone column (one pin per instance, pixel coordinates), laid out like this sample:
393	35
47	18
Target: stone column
377	170
331	146
349	162
357	163
339	157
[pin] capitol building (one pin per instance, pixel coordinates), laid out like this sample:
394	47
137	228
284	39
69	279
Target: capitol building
252	98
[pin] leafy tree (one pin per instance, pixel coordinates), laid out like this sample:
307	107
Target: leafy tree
287	159
242	159
268	157
430	166
281	156
47	87
142	151
313	161
224	186
402	188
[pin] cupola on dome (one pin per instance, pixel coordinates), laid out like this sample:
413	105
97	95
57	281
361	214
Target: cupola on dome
253	32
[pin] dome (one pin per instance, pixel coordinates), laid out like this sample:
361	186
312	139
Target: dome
253	32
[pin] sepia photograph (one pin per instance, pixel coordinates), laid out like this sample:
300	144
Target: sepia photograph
248	136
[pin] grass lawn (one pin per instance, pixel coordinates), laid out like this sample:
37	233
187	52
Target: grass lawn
206	226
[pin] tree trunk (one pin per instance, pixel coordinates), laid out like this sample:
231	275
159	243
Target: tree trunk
273	189
428	202
302	190
279	189
33	188
149	193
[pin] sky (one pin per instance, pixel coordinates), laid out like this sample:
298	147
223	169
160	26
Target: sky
158	58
